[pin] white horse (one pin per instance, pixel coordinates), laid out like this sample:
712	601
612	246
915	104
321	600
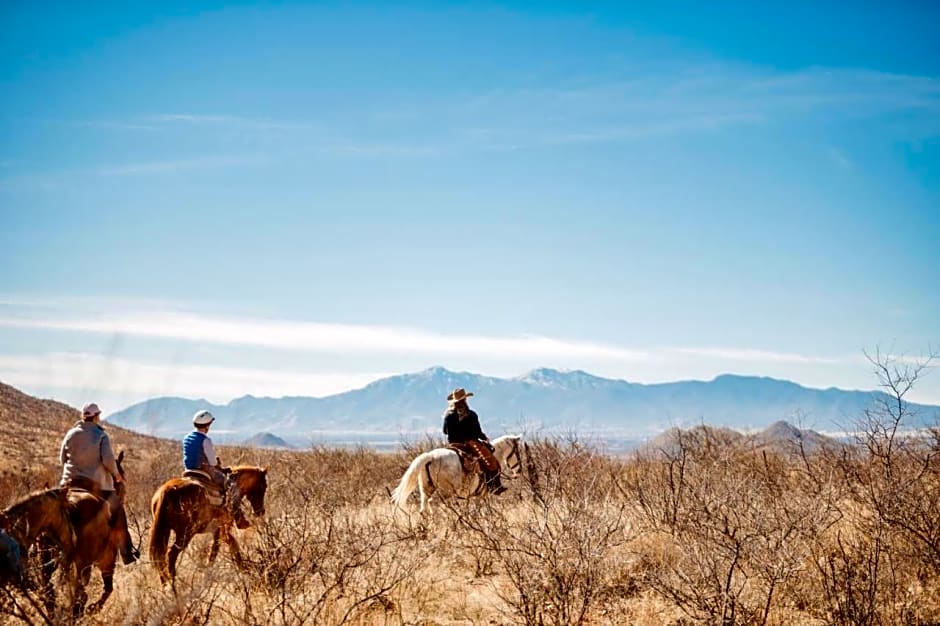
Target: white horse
440	471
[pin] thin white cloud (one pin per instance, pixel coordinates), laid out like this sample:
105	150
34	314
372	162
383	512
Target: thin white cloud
696	124
192	118
360	340
380	149
96	373
235	122
25	303
747	355
175	165
320	337
677	99
689	99
115	125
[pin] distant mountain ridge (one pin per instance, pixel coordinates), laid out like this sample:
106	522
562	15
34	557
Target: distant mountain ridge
541	399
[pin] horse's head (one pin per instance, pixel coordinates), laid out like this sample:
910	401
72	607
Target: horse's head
41	512
252	483
507	452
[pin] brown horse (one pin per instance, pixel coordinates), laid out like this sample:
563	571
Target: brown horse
96	544
182	506
41	515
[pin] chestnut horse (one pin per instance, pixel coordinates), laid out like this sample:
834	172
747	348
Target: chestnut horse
182	506
96	544
40	515
69	527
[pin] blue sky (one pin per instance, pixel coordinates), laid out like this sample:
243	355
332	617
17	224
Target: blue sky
295	199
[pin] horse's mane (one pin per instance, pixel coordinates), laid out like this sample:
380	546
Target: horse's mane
248	468
26	500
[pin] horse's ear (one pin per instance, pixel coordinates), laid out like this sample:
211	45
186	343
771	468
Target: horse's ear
264	470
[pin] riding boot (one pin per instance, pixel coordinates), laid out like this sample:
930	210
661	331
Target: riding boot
493	482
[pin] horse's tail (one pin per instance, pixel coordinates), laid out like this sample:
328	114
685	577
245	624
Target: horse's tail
159	531
409	481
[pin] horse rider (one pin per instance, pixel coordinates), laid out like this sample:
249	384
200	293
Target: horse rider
197	450
88	464
462	426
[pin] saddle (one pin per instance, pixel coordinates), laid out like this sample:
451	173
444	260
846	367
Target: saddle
475	457
80	483
213	493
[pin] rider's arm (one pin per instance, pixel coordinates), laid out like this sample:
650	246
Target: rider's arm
209	450
107	459
63	452
476	426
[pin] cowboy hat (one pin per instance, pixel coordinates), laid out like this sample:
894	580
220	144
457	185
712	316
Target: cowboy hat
458	395
90	410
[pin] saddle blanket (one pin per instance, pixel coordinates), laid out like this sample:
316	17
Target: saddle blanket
475	457
213	493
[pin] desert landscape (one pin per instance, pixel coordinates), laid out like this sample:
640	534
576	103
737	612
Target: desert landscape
699	526
681	257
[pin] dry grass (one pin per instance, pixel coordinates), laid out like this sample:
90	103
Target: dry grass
708	531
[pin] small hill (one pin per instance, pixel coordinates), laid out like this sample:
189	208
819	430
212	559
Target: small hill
781	437
784	437
671	441
267	440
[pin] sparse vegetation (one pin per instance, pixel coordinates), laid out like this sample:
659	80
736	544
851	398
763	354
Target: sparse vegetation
710	528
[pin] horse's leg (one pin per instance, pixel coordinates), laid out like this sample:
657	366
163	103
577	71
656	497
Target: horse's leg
229	539
424	490
49	559
80	596
106	564
180	541
214	549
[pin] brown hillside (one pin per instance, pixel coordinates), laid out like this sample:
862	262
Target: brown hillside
33	431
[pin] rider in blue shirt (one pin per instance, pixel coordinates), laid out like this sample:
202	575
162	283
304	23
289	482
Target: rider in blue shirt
198	454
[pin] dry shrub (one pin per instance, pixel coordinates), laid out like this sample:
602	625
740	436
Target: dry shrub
734	524
330	565
708	528
556	545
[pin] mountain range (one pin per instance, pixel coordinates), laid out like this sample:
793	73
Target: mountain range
541	400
